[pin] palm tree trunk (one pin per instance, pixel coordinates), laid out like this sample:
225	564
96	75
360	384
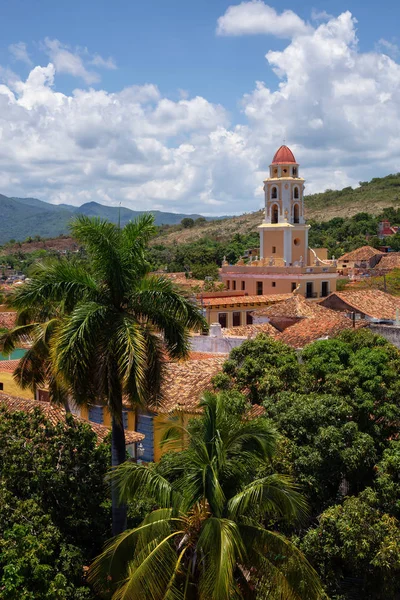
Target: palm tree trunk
118	456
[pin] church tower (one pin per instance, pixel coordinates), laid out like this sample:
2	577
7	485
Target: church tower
284	234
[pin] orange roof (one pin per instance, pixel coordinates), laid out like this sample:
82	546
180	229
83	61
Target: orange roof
373	303
295	306
255	411
184	382
391	260
233	300
363	253
311	329
283	156
7	319
8	366
250	331
56	414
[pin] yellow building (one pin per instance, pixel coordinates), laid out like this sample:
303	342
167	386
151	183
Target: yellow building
286	263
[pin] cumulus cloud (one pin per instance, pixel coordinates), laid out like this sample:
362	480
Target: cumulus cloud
337	107
69	62
389	48
103	63
256	17
19	52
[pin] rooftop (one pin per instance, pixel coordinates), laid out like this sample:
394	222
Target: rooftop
295	306
312	329
283	156
56	414
363	253
250	331
373	303
238	300
184	383
390	260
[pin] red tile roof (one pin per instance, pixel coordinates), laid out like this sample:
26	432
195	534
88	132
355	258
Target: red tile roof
235	300
373	303
283	156
363	253
390	260
184	382
8	366
7	320
312	329
295	306
250	331
56	414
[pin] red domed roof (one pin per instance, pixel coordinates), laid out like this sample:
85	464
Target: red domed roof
283	156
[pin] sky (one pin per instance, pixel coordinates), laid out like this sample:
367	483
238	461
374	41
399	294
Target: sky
179	106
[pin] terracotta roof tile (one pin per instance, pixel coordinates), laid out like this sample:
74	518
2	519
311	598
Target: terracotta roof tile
311	329
8	366
363	253
255	411
184	382
283	155
250	331
205	355
55	414
390	260
295	306
373	303
7	320
234	300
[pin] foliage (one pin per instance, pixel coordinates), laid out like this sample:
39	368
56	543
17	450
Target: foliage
207	538
54	501
356	548
202	271
187	222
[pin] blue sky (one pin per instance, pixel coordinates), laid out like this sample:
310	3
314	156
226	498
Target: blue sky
213	158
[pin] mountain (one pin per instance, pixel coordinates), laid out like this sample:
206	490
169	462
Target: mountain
21	218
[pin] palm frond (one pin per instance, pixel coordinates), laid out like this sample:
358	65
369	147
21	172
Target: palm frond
134	480
273	495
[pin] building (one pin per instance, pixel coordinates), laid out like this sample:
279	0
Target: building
371	305
365	257
385	229
286	263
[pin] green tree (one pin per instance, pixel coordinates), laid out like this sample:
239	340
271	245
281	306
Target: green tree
187	222
207	538
108	343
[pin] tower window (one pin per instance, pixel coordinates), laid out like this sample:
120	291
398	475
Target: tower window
274	284
276	172
296	242
274	213
243	285
296	193
273	249
296	216
236	319
294	286
294	171
274	193
284	171
234	285
259	288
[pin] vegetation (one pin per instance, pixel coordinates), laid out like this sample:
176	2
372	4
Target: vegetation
337	411
209	536
95	325
54	508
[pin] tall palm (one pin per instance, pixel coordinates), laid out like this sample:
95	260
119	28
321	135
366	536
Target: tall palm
207	540
116	323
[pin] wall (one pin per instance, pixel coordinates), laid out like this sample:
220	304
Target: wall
389	332
222	345
272	238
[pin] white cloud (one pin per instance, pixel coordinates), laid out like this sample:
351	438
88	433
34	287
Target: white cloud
320	15
256	17
337	107
103	63
19	52
389	48
69	62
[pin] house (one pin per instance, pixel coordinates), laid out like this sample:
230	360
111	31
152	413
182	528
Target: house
56	414
385	229
389	261
285	262
365	257
372	305
234	309
289	312
312	329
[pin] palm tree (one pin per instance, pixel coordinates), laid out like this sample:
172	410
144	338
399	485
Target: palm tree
207	539
115	325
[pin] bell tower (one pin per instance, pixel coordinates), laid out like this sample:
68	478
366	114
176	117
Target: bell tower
284	234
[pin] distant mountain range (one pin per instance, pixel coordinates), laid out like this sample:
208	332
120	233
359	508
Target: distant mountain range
24	217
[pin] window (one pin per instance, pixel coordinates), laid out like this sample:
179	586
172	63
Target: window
228	285
296	214
234	285
236	319
249	318
96	414
274	213
294	171
222	319
296	193
324	289
294	286
125	418
275	172
296	242
273	249
274	193
284	171
274	284
310	290
243	286
259	288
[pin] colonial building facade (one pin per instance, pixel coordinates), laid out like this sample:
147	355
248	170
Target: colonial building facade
285	263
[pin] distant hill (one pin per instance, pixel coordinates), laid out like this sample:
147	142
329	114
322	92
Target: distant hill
24	217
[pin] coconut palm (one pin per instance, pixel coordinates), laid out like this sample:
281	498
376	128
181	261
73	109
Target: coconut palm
115	325
207	539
